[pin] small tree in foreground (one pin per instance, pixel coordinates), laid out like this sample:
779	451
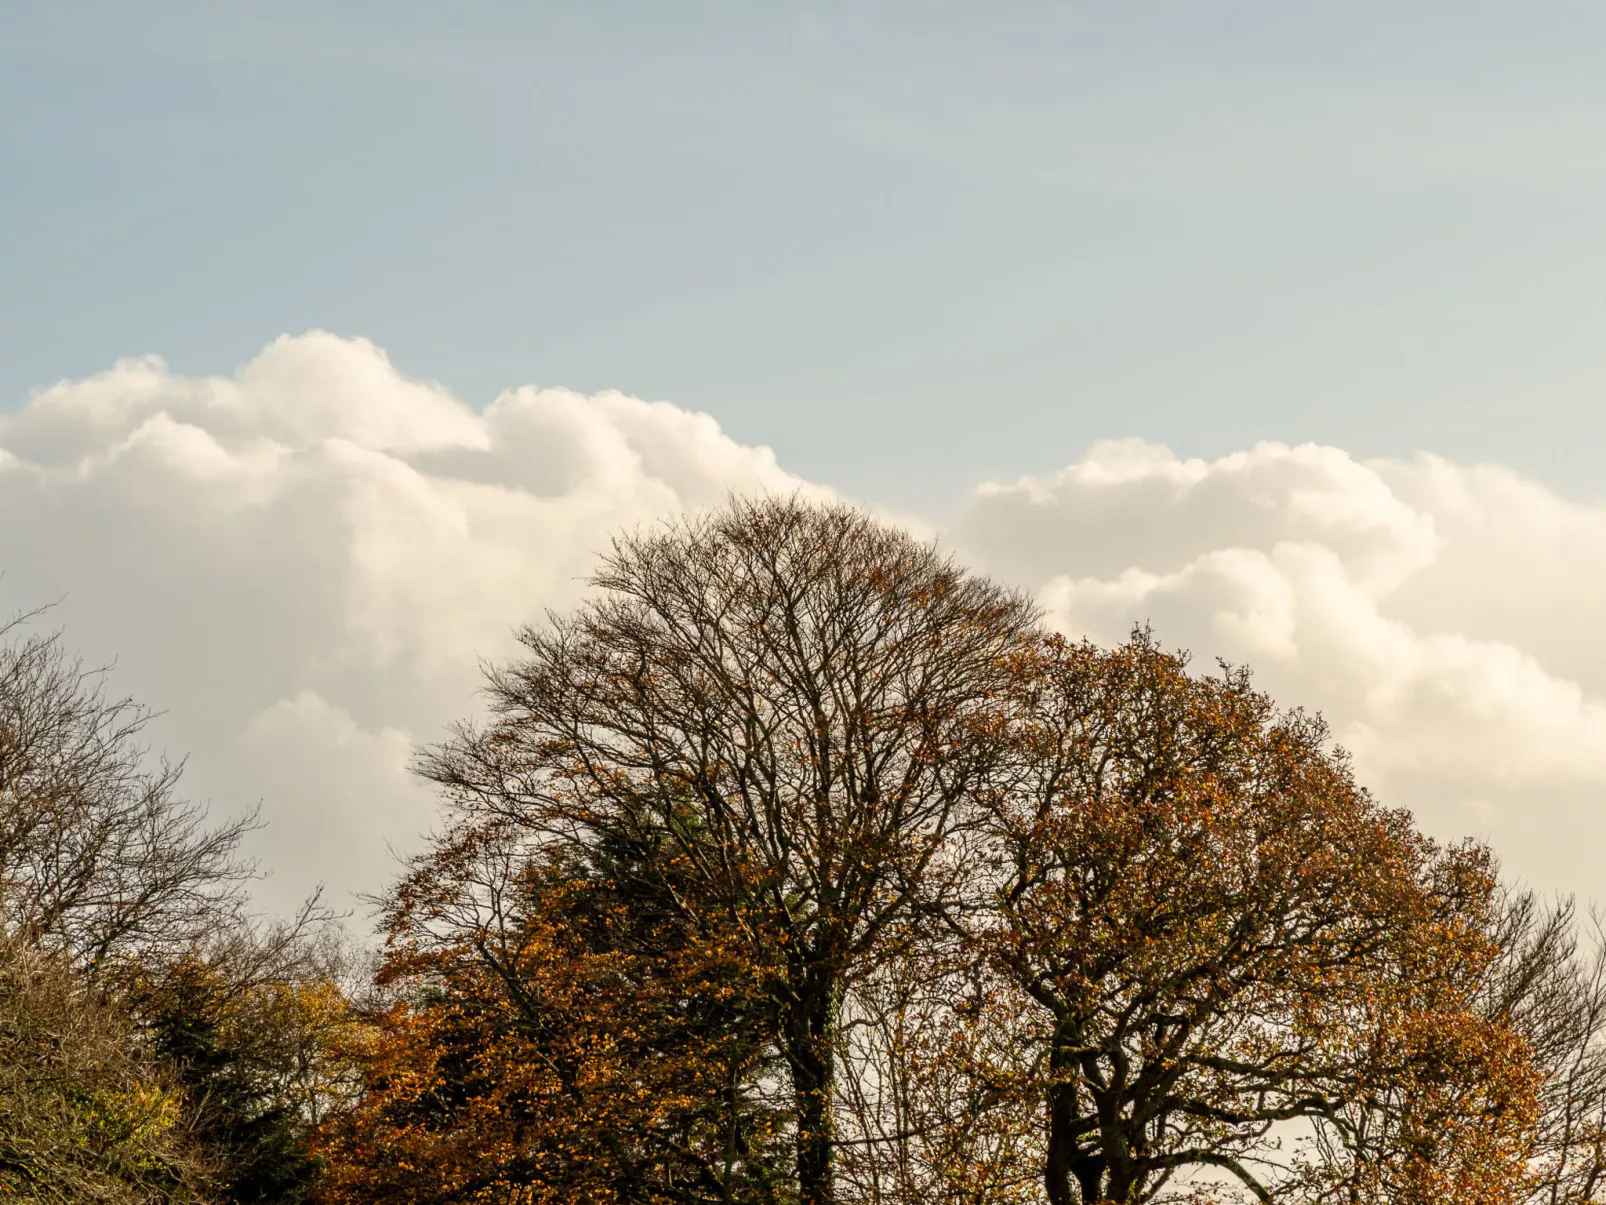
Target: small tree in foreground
255	1031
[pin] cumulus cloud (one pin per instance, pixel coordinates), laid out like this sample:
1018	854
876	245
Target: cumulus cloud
302	563
1439	616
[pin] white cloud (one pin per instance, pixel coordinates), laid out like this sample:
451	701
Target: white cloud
364	789
303	562
1439	616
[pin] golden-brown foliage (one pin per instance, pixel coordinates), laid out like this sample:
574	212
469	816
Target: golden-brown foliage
1239	962
594	1046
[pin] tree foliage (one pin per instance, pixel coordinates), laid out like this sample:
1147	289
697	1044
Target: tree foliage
85	1114
1221	935
586	1040
798	866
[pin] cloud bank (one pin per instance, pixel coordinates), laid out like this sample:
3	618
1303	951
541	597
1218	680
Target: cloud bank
1440	616
303	562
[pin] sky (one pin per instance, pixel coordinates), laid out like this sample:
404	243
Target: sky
336	338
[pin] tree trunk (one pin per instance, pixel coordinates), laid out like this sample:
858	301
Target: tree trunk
811	1058
1057	1170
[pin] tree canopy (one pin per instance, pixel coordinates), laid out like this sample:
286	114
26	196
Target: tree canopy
922	903
796	866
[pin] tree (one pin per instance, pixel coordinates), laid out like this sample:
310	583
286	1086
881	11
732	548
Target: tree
1549	983
816	694
1239	964
254	1029
99	857
133	906
592	1043
85	1113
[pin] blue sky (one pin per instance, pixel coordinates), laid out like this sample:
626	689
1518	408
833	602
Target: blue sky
911	246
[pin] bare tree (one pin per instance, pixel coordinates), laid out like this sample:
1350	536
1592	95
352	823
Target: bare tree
99	855
803	700
1550	983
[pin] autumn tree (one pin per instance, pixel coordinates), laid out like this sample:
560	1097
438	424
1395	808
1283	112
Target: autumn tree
798	865
575	1035
255	1031
804	703
1239	964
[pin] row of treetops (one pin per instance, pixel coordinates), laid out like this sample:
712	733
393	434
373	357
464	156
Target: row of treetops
801	866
